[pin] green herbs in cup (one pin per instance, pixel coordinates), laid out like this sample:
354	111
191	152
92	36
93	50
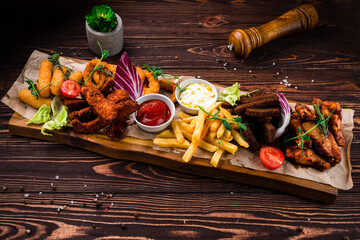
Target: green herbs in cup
102	19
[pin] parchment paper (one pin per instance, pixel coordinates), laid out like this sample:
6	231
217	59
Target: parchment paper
338	176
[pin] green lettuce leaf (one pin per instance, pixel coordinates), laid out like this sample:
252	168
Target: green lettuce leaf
230	94
42	115
60	117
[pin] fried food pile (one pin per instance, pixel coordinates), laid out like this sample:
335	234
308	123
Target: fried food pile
101	107
154	85
322	150
261	111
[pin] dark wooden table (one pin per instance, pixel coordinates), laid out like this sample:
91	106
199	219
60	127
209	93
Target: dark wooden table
102	197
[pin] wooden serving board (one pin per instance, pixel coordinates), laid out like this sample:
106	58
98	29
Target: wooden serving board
142	152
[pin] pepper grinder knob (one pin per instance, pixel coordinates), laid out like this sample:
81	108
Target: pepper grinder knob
297	20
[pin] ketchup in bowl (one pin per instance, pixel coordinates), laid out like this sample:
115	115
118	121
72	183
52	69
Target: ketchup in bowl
153	113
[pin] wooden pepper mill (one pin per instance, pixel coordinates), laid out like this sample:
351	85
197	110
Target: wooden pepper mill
297	20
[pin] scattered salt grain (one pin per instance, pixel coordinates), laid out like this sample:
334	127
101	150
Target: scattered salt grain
295	87
97	195
286	76
280	82
26	195
198	76
312	80
284	80
309	219
289	84
274	63
57	177
72	202
40	193
250	71
51	184
234	69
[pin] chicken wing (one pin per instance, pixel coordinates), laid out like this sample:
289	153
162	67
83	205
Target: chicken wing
307	157
325	145
326	107
305	112
294	126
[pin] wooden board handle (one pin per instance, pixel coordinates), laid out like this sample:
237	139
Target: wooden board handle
297	20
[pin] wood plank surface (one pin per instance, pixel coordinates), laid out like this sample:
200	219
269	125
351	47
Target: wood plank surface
101	144
151	202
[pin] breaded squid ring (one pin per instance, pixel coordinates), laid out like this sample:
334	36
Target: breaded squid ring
99	79
154	86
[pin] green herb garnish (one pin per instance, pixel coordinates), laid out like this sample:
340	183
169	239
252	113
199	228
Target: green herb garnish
33	88
227	121
54	59
304	136
102	19
104	54
324	127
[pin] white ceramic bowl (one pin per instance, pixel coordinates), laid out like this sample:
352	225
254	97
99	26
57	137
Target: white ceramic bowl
163	98
185	83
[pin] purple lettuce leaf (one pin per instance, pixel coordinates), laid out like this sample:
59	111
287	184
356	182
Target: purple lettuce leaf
127	78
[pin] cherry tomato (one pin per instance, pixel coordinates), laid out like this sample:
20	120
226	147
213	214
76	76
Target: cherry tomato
271	157
70	88
153	113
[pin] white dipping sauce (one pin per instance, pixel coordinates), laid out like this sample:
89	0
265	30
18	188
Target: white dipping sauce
196	95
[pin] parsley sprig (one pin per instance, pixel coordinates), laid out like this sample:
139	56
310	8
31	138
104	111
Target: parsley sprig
305	136
104	54
33	88
156	71
324	127
54	59
227	121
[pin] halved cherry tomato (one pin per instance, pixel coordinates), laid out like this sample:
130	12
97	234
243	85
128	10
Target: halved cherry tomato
70	88
271	157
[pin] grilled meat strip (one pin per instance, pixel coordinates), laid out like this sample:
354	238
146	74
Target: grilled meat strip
307	157
326	146
74	104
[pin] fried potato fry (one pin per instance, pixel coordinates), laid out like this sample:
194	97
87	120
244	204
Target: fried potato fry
190	151
170	142
228	115
216	157
183	115
241	141
166	134
215	125
228	138
193	123
188	120
203	144
200	120
76	76
178	134
229	147
186	127
221	130
44	80
57	79
26	97
137	141
211	135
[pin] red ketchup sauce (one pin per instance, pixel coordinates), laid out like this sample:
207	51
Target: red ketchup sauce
153	113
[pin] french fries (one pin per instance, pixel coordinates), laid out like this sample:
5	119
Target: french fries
178	134
166	134
183	115
239	139
216	157
170	142
210	134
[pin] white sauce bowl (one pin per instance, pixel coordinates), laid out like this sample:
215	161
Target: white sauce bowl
185	83
155	96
